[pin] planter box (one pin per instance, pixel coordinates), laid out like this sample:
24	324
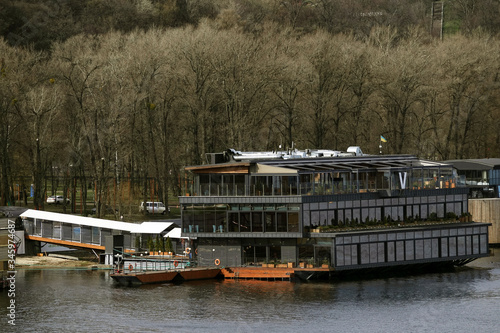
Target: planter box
325	266
291	265
281	266
310	266
302	264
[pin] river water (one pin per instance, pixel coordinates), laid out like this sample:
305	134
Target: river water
53	300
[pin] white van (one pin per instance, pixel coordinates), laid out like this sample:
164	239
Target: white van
153	207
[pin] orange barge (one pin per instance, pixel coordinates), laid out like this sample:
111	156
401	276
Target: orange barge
203	273
188	274
275	274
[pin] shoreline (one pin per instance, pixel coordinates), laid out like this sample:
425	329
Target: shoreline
47	262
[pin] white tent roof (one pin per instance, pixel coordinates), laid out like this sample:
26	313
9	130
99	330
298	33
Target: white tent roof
143	228
175	233
151	227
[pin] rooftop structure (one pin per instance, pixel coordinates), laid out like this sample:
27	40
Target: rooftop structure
482	176
248	208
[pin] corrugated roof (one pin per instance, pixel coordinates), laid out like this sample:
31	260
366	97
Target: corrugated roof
366	162
476	164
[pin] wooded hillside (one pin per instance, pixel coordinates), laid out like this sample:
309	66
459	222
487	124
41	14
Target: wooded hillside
137	101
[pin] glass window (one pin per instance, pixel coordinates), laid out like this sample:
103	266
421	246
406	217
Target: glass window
95	235
416	179
257	222
306	185
76	234
277	185
220	219
269	207
228	185
215	184
57	230
210	217
270	222
275	253
293	222
239	183
245	222
233	218
289	185
281	221
198	219
260	254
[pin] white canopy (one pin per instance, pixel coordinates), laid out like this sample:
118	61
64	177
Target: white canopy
142	228
175	233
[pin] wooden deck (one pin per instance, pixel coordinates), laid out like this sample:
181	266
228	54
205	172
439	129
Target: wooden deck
270	274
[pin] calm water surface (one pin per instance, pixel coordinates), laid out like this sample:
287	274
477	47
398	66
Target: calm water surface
465	300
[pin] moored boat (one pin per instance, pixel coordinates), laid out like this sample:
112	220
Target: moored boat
148	277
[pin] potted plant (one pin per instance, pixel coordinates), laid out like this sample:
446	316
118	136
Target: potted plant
325	263
280	265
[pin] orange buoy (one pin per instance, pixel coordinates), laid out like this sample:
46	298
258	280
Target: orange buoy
176	263
217	262
130	267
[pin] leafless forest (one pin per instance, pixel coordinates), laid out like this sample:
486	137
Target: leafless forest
96	98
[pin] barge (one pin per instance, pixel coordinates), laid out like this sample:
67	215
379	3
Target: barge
136	278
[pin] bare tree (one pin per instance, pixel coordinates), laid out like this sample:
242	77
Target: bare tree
401	81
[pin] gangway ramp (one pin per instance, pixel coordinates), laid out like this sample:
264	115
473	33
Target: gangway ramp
87	232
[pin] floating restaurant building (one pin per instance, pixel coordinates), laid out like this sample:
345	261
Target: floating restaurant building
347	210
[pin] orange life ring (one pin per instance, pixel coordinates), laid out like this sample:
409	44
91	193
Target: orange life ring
188	250
176	263
217	262
196	251
130	267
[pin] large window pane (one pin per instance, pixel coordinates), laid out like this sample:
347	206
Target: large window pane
293	222
306	185
257	222
281	221
233	222
244	222
239	183
215	184
220	224
270	222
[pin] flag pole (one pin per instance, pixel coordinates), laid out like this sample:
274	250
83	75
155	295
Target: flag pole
382	139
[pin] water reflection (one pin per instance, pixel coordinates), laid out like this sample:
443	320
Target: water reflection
82	301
